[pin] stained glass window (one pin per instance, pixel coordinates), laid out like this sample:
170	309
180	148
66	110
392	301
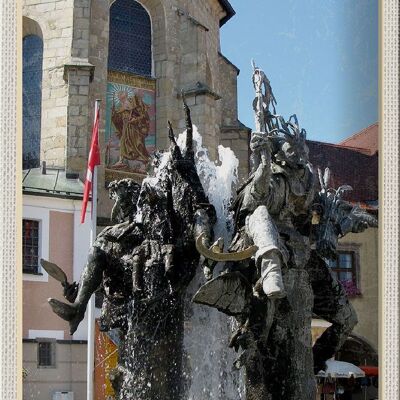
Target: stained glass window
32	99
130	38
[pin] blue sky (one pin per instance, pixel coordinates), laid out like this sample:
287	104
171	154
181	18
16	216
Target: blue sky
321	57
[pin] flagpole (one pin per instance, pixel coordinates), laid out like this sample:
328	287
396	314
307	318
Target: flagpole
90	307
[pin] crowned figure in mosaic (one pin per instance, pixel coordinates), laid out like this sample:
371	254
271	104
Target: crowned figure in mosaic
132	122
276	275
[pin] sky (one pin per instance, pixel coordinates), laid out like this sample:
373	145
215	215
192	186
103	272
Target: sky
321	57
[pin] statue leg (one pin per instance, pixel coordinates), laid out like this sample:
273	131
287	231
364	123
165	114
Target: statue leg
331	304
90	281
262	230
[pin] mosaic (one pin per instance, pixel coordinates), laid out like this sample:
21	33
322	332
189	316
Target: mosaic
130	122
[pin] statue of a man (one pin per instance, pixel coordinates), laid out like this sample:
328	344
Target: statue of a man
263	100
144	265
292	227
106	265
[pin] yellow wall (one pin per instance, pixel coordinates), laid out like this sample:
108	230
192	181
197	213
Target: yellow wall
366	305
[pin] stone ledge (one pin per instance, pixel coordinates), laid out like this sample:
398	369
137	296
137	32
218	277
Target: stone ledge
79	65
200	89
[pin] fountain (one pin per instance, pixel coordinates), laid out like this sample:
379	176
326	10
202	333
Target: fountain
266	271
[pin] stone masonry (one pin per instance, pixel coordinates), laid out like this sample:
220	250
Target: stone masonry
186	55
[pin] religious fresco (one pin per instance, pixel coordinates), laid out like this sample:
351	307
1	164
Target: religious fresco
130	123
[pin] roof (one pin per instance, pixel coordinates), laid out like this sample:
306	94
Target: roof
52	184
229	62
230	12
367	139
349	166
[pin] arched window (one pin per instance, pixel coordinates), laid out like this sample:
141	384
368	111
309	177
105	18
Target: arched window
129	47
130	131
32	54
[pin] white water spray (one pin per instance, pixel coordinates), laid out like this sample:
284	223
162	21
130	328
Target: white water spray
209	361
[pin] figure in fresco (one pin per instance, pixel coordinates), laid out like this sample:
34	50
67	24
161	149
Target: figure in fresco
273	295
132	122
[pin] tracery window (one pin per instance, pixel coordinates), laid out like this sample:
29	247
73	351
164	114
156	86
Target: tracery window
32	54
130	131
130	38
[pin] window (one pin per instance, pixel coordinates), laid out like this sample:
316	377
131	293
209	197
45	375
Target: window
46	353
344	269
343	266
129	48
32	56
30	246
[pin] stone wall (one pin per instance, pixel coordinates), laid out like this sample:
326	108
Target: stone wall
53	21
186	55
366	304
233	133
69	373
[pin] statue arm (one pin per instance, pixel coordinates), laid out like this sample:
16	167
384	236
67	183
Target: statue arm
205	219
355	220
258	188
92	274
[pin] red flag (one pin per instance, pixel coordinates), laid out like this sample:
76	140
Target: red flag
94	159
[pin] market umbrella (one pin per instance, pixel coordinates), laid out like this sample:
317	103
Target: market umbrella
341	369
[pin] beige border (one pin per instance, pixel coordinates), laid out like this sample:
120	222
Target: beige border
389	200
10	201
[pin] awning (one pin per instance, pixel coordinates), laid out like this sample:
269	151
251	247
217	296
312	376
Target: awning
370	370
341	369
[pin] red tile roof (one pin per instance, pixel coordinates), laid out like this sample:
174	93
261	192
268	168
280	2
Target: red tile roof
367	138
351	166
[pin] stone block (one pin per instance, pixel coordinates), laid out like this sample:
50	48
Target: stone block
84	90
78	12
55	112
61	121
58	92
42	8
80	43
56	43
73	110
81	23
61	4
78	120
230	135
66	32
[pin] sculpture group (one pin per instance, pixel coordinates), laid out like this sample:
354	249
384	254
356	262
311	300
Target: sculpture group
287	221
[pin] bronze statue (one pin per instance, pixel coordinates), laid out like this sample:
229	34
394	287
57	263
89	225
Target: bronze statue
291	228
143	265
275	277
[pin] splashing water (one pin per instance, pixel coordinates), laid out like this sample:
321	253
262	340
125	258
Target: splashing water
218	180
209	361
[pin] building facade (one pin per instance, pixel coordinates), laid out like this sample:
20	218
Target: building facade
137	57
355	162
